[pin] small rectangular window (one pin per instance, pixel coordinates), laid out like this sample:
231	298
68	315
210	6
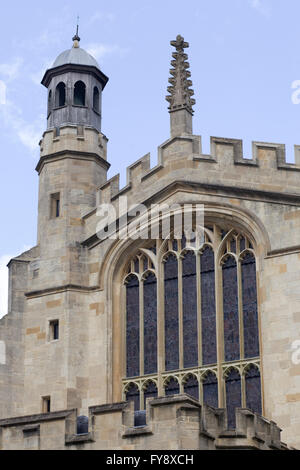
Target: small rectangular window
46	404
55	206
54	330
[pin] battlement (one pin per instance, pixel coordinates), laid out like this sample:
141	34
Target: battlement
175	422
226	157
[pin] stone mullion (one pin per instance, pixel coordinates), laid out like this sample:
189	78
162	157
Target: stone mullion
160	327
243	391
240	306
180	314
141	293
199	308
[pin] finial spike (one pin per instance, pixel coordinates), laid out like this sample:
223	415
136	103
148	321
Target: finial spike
180	91
76	38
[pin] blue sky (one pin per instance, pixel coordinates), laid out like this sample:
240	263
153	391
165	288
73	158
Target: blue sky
244	57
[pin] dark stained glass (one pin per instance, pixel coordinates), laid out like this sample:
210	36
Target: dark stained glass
191	387
210	390
250	316
233	396
231	310
132	327
150	325
189	305
253	389
133	394
208	307
150	392
145	264
233	245
242	244
172	387
136	265
171	313
175	245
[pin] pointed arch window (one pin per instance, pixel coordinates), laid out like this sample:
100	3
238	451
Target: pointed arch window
179	337
60	95
96	100
49	102
79	93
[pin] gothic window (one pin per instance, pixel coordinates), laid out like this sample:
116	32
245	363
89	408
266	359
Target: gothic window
150	324
253	389
79	93
231	310
60	95
150	391
178	337
133	394
210	389
233	396
208	307
171	313
189	306
132	327
250	318
191	386
96	100
172	387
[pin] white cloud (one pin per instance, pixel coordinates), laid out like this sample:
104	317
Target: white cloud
99	50
4	260
261	6
28	133
11	71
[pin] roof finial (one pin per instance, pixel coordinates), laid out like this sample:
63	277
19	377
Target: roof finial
180	91
76	38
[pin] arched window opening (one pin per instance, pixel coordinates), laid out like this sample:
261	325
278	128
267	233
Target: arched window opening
60	95
171	313
231	310
96	100
172	387
79	94
150	324
133	394
49	102
253	389
189	310
250	315
208	307
233	396
191	386
82	425
150	391
171	320
132	326
210	389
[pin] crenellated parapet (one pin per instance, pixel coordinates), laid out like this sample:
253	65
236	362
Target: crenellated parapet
185	152
174	422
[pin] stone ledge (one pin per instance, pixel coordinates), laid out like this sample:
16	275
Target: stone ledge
138	431
79	439
110	408
55	415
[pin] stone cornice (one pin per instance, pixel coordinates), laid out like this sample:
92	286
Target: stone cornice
59	290
50	73
73	154
24	420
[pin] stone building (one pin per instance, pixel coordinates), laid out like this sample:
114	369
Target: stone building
159	341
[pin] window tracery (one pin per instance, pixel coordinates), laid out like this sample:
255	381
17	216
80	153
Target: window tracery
196	309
